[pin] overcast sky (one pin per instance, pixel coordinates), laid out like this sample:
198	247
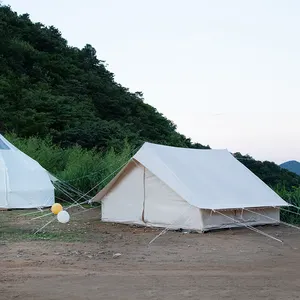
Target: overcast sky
226	72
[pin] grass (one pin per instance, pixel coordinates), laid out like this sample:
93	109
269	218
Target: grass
20	225
78	167
84	169
292	197
17	235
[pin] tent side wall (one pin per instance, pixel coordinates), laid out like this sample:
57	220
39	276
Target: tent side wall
23	182
3	186
31	199
214	220
165	208
28	183
123	203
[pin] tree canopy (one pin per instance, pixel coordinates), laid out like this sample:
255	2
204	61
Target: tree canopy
269	172
48	87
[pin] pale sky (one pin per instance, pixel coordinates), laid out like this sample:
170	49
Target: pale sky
226	72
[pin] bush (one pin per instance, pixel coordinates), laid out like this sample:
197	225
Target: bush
84	169
81	168
292	197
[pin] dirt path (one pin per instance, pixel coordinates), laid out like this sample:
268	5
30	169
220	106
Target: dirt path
236	264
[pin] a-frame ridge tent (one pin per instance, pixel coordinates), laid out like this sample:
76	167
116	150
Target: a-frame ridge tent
194	189
24	183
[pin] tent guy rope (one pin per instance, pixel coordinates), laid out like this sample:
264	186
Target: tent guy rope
80	203
290	211
169	227
265	216
250	227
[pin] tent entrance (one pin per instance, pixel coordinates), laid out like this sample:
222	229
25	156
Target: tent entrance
164	208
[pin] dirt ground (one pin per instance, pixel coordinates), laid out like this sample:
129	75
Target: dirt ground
78	261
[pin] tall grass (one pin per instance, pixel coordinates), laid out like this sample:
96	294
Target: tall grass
81	168
84	169
292	197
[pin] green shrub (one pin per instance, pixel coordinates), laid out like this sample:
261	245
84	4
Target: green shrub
81	168
292	197
85	169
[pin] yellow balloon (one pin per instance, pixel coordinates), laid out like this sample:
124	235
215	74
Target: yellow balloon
56	208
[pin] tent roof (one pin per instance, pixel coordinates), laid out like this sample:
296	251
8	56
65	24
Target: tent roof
208	179
5	144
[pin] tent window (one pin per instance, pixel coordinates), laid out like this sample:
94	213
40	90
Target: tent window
3	146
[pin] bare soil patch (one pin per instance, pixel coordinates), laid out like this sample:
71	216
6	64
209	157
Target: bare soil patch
77	261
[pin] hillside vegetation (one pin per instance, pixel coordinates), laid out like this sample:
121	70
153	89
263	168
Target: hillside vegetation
65	109
50	88
79	167
272	174
89	169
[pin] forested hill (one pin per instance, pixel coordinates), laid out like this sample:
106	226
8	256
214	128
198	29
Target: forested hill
270	173
49	88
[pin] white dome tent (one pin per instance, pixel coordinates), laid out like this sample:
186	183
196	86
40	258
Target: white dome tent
24	183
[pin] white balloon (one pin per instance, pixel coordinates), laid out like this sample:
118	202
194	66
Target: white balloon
63	216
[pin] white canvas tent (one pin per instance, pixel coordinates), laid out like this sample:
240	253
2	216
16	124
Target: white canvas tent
194	189
23	182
